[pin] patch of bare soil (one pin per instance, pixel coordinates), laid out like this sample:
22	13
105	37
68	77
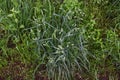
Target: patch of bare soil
41	73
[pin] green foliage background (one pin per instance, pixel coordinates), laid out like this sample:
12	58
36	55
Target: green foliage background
69	37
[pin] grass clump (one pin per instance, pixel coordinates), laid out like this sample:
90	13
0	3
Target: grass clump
59	40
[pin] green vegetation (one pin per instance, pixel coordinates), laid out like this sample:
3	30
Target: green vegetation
59	40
